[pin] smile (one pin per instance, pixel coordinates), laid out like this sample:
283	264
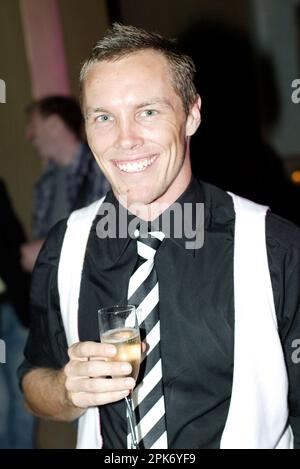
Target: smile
136	166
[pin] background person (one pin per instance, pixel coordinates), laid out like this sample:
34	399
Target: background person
17	425
71	178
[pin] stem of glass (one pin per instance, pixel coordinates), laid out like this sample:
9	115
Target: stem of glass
132	422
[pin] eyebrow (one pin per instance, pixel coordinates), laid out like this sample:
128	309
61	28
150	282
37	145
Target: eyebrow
150	102
95	110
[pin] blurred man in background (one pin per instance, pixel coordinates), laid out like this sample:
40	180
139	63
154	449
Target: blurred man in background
71	179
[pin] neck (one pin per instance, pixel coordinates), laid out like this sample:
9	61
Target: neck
65	152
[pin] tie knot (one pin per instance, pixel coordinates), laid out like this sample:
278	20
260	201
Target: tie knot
148	243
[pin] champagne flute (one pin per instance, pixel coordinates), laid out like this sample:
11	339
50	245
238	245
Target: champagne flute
118	325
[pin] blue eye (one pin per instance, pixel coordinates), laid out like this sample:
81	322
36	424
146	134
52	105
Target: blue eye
103	118
149	113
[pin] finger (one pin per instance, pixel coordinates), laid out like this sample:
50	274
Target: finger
84	400
99	385
82	350
95	369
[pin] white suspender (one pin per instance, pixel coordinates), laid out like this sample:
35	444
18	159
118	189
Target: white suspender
258	411
69	279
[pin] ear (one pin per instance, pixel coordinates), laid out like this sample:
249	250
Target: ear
52	121
194	118
55	124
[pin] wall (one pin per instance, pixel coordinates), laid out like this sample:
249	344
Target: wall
18	163
83	24
173	17
277	33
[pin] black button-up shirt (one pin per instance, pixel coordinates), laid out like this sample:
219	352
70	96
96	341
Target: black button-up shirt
196	313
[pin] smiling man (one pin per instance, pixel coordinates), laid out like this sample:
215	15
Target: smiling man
202	382
146	125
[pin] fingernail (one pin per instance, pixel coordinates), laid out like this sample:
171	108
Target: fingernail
125	393
126	367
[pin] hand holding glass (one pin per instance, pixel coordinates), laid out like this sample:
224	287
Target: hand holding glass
119	326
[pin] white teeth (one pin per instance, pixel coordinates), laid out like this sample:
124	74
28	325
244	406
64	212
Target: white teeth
135	166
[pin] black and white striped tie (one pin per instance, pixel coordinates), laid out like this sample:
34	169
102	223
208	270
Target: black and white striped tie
148	396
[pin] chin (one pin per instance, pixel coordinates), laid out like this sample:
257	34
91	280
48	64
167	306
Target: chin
141	197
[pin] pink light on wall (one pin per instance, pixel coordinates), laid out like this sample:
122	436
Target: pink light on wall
45	47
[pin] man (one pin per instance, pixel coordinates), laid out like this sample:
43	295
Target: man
220	378
71	179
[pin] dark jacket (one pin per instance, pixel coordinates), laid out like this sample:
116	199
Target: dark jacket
11	237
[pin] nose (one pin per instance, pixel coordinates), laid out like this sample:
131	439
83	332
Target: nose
129	135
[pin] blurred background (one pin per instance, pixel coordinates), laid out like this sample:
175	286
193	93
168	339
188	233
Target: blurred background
247	54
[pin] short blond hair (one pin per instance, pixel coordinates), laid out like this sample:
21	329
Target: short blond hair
121	41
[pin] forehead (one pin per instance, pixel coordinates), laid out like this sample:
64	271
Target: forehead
142	73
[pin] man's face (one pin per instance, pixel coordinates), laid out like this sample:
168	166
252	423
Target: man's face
137	129
39	133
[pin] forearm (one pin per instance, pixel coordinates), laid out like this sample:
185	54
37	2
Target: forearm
46	395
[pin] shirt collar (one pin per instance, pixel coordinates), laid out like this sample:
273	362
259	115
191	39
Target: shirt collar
180	229
191	206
